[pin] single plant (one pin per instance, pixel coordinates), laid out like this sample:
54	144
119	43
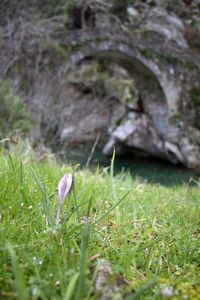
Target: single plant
64	189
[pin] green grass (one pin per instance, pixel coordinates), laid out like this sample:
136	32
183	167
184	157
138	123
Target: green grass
148	232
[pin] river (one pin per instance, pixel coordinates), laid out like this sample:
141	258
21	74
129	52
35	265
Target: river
151	170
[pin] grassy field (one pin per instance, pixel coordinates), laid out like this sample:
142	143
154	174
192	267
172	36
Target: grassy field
119	238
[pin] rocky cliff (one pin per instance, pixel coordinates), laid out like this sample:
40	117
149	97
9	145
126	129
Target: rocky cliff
127	70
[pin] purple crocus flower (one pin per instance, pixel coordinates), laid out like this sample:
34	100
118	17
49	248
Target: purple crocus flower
64	189
65	186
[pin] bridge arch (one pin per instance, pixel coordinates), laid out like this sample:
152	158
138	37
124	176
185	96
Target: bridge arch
146	75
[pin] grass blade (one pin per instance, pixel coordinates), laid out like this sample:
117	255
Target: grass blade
110	210
19	280
11	162
76	203
71	287
46	203
146	287
83	262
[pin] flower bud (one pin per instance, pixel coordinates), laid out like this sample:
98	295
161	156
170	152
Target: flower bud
65	186
64	189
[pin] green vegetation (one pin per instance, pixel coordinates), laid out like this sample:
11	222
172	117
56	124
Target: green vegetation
53	53
120	8
10	9
53	7
171	59
104	78
196	98
13	114
149	234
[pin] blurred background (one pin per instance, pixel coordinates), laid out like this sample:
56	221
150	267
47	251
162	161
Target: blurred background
81	78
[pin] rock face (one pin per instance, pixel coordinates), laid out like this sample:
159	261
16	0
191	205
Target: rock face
146	40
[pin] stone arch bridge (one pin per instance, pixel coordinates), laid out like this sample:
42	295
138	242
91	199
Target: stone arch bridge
167	77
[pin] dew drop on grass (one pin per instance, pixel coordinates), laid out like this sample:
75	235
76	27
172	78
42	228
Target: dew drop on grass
57	282
35	291
72	250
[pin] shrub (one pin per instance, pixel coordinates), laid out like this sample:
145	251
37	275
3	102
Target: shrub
13	113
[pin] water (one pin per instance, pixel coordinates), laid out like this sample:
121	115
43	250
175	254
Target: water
151	170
